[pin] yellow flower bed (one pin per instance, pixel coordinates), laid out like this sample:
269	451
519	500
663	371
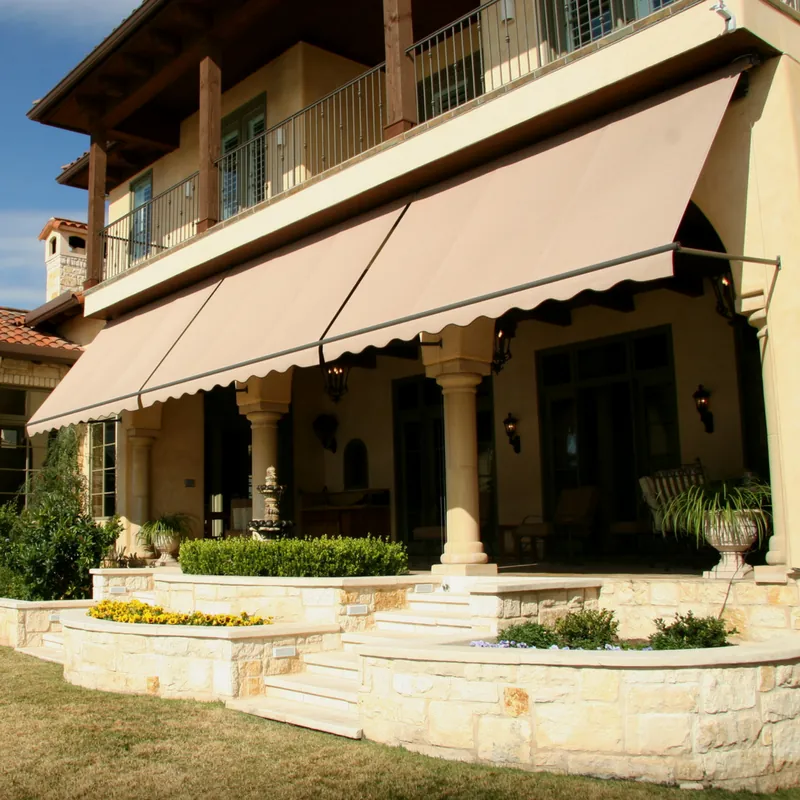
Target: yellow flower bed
137	611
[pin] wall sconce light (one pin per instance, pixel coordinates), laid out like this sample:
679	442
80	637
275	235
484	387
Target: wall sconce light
702	398
335	376
725	293
510	424
507	10
505	329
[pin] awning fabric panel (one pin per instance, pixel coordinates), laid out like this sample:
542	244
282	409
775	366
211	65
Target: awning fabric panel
108	376
274	305
616	189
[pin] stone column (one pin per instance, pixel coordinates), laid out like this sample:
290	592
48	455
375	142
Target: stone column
458	359
141	445
264	451
264	401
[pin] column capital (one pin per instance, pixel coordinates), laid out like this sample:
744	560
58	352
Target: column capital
452	382
265	417
263	411
143	436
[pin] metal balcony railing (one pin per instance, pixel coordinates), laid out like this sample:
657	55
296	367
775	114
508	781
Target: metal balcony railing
153	227
340	126
505	39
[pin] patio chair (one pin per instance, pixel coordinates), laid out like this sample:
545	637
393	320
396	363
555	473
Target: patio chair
665	484
575	514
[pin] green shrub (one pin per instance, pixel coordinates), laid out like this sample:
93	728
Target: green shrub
688	631
587	629
12	585
530	634
323	557
47	550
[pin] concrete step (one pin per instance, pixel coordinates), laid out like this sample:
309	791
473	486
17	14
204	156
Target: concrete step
54	641
455	620
443	603
336	664
326	691
352	641
144	597
44	653
304	715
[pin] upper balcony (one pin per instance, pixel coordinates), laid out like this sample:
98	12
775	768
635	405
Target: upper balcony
179	162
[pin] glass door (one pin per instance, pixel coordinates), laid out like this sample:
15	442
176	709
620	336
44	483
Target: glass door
142	221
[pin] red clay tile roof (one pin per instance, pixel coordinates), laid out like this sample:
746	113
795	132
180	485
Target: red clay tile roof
13	330
61	224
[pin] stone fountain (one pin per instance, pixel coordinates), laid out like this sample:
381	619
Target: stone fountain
272	526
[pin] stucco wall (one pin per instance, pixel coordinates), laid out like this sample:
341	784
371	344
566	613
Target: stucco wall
299	76
703	349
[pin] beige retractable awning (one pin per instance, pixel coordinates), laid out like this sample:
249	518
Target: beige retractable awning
594	196
190	341
108	376
582	211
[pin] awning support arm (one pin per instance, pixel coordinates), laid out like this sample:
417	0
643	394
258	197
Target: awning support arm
692	251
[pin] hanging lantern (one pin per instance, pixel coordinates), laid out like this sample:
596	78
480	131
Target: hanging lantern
335	376
505	329
725	294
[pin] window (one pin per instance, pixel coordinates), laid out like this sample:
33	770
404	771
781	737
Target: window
243	174
76	243
14	444
450	88
142	222
103	468
588	20
356	465
53	245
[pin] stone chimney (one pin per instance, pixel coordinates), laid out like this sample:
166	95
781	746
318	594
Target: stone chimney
64	255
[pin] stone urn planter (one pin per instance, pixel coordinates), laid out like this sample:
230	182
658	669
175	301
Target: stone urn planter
165	535
729	516
732	536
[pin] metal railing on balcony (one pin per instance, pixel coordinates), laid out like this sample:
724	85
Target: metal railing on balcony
505	39
347	122
153	227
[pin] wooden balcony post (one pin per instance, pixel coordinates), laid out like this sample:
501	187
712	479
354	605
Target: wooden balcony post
98	159
210	142
401	90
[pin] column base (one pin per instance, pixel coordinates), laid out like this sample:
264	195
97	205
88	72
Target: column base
464	569
771	574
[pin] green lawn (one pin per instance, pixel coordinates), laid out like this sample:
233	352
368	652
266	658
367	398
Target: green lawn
59	741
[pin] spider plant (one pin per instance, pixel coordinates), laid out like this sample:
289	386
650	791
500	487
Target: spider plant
726	505
161	533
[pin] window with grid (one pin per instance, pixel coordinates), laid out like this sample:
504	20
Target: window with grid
14	444
103	468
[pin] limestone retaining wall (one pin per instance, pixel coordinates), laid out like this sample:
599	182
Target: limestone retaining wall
23	623
728	717
349	602
759	612
182	661
123	582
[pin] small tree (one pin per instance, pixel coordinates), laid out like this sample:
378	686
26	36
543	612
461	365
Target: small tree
55	541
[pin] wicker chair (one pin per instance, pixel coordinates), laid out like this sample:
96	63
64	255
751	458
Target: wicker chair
659	489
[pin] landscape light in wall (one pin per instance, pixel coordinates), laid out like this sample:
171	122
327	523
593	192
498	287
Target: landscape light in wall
725	294
702	398
510	424
335	376
505	329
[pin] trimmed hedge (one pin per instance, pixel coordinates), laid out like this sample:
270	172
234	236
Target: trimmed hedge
321	557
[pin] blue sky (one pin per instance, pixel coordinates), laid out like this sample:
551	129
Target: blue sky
40	41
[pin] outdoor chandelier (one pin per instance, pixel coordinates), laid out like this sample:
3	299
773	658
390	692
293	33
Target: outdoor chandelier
335	376
505	329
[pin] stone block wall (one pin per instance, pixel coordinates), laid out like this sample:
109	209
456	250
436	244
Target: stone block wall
191	663
131	580
311	600
23	623
735	726
495	609
758	612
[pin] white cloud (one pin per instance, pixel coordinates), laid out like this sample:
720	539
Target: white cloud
22	273
92	17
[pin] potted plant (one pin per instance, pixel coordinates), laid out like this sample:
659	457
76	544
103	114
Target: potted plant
165	534
731	516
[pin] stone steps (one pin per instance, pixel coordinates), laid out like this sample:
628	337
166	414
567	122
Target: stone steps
325	691
53	641
44	653
455	620
336	664
304	715
442	603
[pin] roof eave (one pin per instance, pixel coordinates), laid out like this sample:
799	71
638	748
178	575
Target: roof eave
64	303
120	34
32	352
